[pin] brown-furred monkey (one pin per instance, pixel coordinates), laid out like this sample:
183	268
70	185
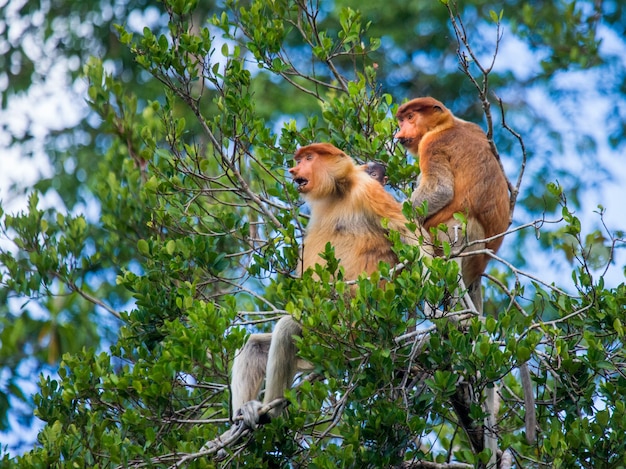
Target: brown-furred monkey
459	173
377	171
347	207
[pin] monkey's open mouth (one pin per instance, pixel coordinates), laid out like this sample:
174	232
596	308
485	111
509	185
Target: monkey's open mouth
405	141
301	182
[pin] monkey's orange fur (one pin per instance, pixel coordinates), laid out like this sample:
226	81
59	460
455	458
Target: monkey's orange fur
458	173
347	206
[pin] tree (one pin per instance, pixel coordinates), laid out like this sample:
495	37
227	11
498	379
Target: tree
198	224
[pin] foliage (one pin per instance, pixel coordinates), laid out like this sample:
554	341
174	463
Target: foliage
197	239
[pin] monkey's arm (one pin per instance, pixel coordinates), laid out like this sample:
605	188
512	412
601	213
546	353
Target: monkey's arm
435	184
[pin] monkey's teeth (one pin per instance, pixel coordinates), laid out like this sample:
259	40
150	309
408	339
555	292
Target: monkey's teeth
301	182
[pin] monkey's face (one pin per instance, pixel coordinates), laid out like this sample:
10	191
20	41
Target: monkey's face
416	118
409	134
303	172
375	174
321	170
376	171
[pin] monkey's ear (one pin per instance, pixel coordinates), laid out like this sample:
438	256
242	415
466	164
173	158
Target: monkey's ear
439	108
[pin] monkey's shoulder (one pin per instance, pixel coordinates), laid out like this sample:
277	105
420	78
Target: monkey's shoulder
459	145
462	131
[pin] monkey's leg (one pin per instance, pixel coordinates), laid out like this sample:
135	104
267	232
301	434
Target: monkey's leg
282	361
247	376
469	288
472	267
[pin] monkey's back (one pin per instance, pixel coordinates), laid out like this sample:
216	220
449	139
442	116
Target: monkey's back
477	176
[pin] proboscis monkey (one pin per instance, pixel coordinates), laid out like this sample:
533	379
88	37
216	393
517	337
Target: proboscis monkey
459	173
377	171
347	207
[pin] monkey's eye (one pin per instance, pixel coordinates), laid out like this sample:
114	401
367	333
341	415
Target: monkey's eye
309	157
410	116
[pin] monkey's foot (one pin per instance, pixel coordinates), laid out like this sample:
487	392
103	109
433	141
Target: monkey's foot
249	413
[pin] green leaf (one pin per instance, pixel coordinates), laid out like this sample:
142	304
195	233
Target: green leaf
170	247
523	354
143	247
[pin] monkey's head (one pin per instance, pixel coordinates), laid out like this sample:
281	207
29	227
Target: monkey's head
321	170
417	117
376	171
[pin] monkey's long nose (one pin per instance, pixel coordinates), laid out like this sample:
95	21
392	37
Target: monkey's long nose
402	140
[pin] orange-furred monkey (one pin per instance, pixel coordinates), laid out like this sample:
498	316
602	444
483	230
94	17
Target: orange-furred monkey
347	206
459	173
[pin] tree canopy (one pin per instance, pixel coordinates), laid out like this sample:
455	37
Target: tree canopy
179	232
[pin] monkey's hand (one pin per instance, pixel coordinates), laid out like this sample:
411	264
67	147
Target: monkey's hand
421	205
249	413
436	190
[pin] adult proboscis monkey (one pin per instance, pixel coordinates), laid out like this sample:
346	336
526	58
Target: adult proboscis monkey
347	208
459	173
